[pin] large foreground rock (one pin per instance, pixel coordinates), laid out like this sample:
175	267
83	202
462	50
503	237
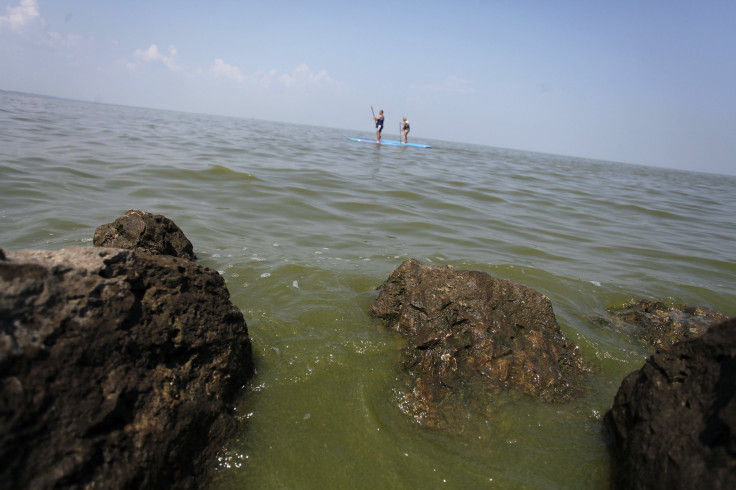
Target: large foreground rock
145	232
468	328
117	369
674	420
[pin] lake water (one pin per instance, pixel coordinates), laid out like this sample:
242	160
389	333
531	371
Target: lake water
304	225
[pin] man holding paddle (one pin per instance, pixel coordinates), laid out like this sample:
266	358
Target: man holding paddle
379	125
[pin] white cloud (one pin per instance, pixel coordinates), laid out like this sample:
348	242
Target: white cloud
302	74
68	40
22	15
220	69
450	84
302	77
25	19
152	54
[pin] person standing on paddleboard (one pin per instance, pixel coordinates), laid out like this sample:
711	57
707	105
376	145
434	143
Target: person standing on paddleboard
404	130
379	125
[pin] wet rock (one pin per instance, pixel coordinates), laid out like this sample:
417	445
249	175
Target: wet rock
674	420
145	232
117	369
467	328
658	323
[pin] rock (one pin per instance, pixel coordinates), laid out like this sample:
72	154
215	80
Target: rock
658	323
117	369
467	328
674	420
145	232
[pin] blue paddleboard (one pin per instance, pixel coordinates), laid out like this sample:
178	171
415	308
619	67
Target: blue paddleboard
391	142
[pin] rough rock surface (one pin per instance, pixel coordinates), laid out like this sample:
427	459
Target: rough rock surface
658	323
467	327
145	232
117	369
674	420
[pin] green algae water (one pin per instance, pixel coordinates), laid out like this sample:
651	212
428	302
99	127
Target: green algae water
304	225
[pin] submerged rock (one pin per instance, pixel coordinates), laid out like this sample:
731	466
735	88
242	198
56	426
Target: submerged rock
145	232
117	369
468	328
658	323
674	420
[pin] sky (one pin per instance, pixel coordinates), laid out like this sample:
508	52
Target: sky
647	82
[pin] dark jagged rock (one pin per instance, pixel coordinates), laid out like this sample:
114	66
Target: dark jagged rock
145	232
658	323
468	328
117	369
674	420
